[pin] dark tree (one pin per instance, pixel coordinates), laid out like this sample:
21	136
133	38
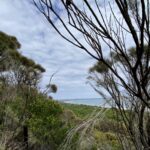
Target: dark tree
104	33
132	111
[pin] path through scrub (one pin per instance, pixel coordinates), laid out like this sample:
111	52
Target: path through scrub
83	132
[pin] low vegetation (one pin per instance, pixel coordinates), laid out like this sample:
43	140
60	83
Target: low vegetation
93	131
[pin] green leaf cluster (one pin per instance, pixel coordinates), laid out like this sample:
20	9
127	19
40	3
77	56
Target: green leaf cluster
9	54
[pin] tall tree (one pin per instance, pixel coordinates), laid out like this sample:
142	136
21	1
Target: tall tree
129	108
20	73
110	28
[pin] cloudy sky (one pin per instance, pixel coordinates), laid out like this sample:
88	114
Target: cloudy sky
41	43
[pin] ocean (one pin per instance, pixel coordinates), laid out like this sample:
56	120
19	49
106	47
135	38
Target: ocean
87	101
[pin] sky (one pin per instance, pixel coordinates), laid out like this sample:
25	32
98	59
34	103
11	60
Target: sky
42	44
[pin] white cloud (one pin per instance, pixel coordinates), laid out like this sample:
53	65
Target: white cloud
41	43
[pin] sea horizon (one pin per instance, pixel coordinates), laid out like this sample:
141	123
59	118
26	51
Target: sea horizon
86	101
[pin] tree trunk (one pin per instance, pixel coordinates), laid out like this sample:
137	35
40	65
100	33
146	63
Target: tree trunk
25	136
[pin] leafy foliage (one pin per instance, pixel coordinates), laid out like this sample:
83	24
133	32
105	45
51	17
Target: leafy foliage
10	58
